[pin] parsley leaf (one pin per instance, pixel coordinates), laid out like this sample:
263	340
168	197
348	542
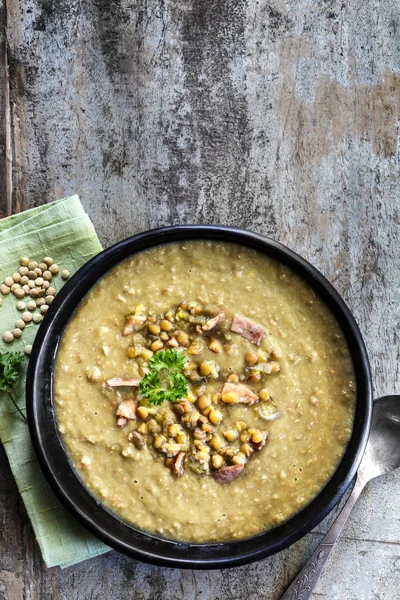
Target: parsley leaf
9	373
171	362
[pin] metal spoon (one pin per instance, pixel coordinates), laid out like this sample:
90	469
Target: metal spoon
381	456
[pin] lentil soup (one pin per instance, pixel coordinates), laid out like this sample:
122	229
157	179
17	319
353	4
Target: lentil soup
204	392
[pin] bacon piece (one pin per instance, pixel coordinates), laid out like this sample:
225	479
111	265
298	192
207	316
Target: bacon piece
179	465
248	329
259	445
118	382
133	323
172	343
227	474
127	409
245	394
211	323
121	422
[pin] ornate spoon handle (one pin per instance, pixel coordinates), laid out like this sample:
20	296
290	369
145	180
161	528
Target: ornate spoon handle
303	585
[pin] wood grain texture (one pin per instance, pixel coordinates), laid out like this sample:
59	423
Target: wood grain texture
282	116
5	123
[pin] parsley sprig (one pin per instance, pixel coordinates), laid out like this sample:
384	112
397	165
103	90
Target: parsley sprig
9	373
165	368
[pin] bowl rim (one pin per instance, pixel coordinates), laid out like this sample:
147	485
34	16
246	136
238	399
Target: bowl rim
107	526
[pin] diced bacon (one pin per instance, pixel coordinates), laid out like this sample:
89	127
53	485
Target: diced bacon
211	323
172	343
248	329
228	474
121	422
118	382
127	409
179	464
259	445
133	323
245	394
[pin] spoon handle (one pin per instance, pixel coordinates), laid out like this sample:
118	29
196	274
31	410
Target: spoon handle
302	587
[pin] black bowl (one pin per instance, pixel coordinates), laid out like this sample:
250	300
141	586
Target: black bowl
95	516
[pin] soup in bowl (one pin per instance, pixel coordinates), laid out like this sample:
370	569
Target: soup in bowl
205	393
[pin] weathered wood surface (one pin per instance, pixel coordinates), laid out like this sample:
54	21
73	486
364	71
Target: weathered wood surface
279	116
5	124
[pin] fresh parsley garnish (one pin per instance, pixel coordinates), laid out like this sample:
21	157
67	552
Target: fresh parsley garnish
9	373
165	382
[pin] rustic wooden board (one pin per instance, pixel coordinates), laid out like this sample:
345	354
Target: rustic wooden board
281	116
5	124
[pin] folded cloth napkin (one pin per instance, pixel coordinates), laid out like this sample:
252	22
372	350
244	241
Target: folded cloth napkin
63	231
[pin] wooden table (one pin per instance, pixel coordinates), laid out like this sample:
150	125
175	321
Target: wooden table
279	116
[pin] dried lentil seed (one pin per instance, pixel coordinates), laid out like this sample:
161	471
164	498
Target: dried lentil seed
165	325
32	275
33	265
50	291
217	461
19	293
27	317
143	429
34	293
251	358
230	398
44	309
239	459
8	337
47	276
24	280
215	417
23	271
216	441
43	267
20	305
9	281
65	274
257	436
17	332
215	346
247	449
182	338
16	277
142	412
31	284
204	369
4	289
154	329
20	324
231	435
24	261
39	281
28	349
53	269
49	299
264	395
204	401
156	345
48	260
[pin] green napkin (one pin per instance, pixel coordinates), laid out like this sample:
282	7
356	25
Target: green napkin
63	231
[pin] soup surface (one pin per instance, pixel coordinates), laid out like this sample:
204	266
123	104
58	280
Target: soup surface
258	373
